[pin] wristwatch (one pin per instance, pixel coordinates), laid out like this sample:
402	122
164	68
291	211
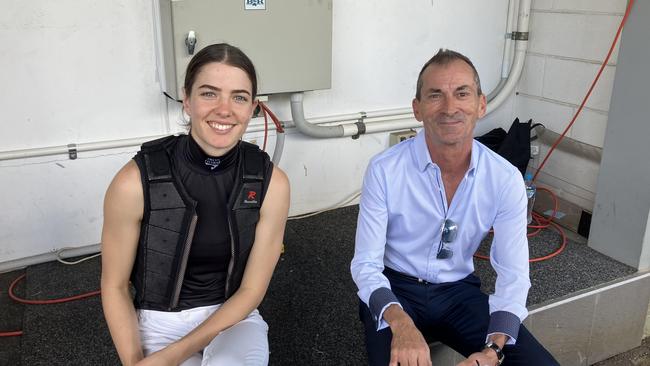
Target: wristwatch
497	349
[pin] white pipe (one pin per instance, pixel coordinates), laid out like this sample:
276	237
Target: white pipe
309	129
160	65
524	16
278	149
510	84
48	257
504	88
61	150
520	54
377	121
346	129
507	52
391	126
507	49
372	118
360	115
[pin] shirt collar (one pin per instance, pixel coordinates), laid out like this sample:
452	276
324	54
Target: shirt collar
421	152
473	161
423	159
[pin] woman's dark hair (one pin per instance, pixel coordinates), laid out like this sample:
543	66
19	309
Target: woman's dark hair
223	53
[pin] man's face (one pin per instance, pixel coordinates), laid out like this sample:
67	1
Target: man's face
449	104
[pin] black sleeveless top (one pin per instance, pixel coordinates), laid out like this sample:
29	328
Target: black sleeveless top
209	181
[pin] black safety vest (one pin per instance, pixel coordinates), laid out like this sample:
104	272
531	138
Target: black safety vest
169	220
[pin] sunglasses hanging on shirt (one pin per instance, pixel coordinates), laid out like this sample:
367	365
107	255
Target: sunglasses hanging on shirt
449	231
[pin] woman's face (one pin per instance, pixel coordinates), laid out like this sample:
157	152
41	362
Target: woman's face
220	105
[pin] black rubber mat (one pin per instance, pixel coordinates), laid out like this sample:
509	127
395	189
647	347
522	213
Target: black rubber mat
311	305
71	333
11	319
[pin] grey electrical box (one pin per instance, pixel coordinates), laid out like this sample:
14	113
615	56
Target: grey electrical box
289	41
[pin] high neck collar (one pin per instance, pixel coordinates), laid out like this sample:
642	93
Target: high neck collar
206	163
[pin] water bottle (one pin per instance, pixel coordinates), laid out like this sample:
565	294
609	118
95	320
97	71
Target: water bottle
530	193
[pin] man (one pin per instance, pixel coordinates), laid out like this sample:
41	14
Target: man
425	207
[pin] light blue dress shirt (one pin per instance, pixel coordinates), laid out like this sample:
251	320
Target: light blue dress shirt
402	209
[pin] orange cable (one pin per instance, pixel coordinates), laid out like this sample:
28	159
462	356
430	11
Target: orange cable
541	220
274	118
11	334
45	302
591	88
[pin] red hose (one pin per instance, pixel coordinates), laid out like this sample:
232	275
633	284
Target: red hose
541	220
39	302
591	88
542	223
45	302
274	118
11	334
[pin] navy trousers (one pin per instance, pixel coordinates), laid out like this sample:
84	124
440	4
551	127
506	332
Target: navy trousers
456	314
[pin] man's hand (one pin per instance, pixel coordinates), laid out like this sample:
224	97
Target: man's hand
408	347
485	358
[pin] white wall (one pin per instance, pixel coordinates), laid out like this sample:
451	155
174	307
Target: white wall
76	71
86	71
569	39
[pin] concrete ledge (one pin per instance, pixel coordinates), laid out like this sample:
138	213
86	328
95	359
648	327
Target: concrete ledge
586	327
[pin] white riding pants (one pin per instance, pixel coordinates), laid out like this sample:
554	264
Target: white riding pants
245	343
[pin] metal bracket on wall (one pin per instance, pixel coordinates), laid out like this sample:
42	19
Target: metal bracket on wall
361	126
520	36
72	151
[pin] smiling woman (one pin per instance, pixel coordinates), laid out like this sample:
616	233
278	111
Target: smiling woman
196	223
220	89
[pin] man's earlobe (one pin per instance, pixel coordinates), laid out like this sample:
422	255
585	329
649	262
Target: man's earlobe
415	105
482	106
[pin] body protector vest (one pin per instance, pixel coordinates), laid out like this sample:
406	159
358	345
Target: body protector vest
169	220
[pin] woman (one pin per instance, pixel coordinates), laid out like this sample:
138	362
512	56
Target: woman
196	224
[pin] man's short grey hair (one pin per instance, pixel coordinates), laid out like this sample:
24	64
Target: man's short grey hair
442	58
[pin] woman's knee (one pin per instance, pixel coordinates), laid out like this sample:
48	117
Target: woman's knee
245	343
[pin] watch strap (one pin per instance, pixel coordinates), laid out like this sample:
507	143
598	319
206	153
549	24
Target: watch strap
497	349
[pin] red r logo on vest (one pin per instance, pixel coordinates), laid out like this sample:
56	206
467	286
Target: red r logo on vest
251	197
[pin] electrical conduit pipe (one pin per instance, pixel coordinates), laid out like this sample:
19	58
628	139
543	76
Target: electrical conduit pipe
376	121
362	126
507	51
113	144
521	45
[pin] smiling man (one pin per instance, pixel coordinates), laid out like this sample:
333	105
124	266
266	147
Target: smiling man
425	207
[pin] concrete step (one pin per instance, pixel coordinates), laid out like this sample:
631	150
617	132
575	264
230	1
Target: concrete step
585	327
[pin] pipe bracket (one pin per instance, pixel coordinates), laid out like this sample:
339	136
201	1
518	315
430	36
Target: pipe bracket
520	36
72	151
361	126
